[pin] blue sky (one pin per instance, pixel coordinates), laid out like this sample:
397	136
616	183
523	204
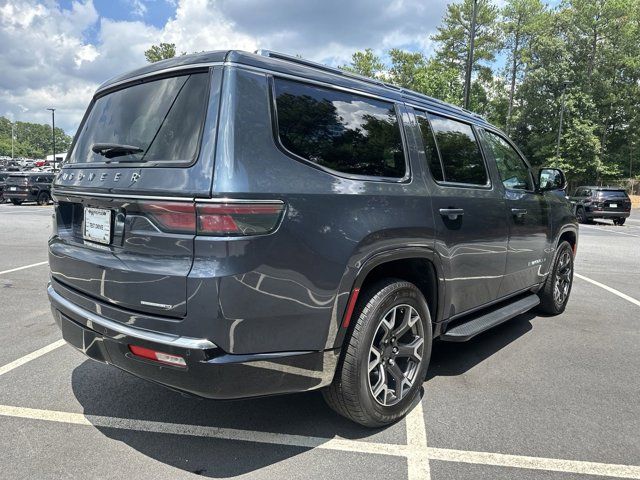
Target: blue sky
56	52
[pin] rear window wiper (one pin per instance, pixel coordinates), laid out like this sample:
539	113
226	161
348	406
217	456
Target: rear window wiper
111	150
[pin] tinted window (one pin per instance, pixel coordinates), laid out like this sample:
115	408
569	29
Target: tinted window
513	171
430	150
459	150
612	194
162	117
338	130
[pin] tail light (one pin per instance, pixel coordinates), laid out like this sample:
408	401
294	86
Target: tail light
224	219
216	219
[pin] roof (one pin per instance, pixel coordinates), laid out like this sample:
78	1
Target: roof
286	64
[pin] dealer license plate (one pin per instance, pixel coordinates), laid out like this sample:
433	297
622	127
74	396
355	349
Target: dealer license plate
97	225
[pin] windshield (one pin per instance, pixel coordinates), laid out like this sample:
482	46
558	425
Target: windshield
156	121
612	194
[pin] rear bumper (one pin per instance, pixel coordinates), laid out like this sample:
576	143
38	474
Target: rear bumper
607	214
209	372
24	196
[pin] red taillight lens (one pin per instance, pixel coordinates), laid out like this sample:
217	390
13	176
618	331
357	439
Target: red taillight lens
217	219
227	219
172	217
161	357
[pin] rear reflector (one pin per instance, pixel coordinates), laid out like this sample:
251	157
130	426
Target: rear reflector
350	306
175	360
215	219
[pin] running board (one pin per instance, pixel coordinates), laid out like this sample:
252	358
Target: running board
469	329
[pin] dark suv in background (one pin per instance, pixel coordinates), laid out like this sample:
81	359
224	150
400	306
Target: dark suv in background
601	202
28	187
255	224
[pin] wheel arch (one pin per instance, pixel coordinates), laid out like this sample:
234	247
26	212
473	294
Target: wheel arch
417	264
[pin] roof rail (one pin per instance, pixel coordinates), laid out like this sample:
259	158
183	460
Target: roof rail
321	66
345	73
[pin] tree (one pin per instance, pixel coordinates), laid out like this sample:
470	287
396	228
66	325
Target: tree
32	140
521	23
366	63
406	68
159	52
454	35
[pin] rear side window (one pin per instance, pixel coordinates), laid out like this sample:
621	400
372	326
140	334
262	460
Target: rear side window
461	157
341	131
162	118
514	173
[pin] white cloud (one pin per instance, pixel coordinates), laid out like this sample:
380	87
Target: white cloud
47	60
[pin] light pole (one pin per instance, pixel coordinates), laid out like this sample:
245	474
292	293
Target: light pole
13	136
565	84
472	40
53	134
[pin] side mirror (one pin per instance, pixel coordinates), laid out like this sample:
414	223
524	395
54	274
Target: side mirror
551	179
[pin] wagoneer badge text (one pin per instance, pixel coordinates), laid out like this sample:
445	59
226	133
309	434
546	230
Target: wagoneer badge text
102	177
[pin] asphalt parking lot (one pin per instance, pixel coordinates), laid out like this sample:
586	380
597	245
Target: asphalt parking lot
537	398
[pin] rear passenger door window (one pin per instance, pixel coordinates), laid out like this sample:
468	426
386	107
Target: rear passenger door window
462	161
430	149
514	173
341	131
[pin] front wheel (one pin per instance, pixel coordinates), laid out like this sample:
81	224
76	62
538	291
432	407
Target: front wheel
386	357
554	295
581	215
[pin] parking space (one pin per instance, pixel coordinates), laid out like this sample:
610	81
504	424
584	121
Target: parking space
537	398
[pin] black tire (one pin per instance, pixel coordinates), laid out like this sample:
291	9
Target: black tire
16	202
352	394
552	302
581	215
43	198
619	221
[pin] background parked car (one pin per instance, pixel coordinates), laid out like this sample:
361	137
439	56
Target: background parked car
3	178
601	202
28	187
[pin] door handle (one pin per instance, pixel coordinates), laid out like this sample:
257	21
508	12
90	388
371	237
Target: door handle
452	213
519	212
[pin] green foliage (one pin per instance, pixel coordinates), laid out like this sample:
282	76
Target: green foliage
590	49
160	52
366	63
31	140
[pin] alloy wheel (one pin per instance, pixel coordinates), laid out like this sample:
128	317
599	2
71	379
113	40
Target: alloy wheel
563	278
395	354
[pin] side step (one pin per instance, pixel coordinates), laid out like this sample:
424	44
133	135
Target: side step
467	330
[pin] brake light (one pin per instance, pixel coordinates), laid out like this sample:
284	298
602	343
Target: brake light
230	219
161	357
172	217
216	219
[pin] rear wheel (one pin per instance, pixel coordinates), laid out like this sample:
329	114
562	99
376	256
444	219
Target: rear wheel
386	357
43	198
582	217
16	202
619	221
555	292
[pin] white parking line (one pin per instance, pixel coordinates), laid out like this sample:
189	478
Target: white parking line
609	230
411	452
22	268
418	461
609	289
31	356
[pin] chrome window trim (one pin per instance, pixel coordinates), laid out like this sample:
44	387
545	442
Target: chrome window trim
69	193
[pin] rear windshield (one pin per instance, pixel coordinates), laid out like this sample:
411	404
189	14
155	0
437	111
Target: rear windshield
162	119
17	179
612	194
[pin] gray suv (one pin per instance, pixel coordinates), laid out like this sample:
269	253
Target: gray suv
234	225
